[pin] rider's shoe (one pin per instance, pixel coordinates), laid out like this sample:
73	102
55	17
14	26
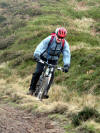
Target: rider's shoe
45	96
30	92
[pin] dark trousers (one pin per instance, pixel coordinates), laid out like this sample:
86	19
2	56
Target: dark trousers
36	76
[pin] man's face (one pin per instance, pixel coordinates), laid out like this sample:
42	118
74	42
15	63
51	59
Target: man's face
58	39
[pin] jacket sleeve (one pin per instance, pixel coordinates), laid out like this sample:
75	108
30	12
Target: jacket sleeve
42	46
66	54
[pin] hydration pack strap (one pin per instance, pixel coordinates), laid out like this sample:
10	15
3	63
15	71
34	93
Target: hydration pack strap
52	37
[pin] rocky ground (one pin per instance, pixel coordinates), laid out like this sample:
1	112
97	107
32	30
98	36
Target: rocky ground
13	120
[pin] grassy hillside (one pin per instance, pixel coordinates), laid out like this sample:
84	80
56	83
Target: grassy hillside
23	24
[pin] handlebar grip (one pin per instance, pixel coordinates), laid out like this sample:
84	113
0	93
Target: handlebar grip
55	66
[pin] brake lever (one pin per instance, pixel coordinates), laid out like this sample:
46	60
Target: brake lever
41	61
60	68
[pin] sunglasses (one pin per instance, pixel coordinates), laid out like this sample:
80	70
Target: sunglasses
60	37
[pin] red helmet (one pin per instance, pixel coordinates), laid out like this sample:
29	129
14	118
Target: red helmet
61	32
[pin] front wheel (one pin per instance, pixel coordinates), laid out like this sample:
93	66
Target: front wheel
43	88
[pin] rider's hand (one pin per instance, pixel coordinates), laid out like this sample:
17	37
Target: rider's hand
66	68
37	57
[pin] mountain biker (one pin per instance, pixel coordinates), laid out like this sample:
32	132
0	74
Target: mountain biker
51	54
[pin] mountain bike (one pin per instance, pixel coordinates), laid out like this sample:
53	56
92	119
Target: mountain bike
44	80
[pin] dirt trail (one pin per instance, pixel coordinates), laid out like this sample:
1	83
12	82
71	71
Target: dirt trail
17	121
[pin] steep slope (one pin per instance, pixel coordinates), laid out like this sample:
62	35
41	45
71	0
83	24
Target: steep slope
23	24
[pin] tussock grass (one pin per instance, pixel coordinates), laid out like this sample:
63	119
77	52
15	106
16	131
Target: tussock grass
84	115
4	43
9	55
16	93
91	126
55	107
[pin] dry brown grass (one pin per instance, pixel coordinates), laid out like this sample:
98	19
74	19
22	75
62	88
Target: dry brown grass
92	123
77	47
82	45
79	6
57	93
16	94
84	24
61	99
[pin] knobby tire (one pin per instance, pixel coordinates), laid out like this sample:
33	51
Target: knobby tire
41	87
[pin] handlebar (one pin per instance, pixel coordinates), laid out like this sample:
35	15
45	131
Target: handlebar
50	65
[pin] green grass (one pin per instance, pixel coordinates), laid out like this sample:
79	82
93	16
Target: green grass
5	72
25	28
77	37
43	19
95	13
84	71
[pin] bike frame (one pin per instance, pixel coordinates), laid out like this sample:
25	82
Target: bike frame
45	78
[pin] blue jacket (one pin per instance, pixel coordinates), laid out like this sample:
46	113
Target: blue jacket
54	50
